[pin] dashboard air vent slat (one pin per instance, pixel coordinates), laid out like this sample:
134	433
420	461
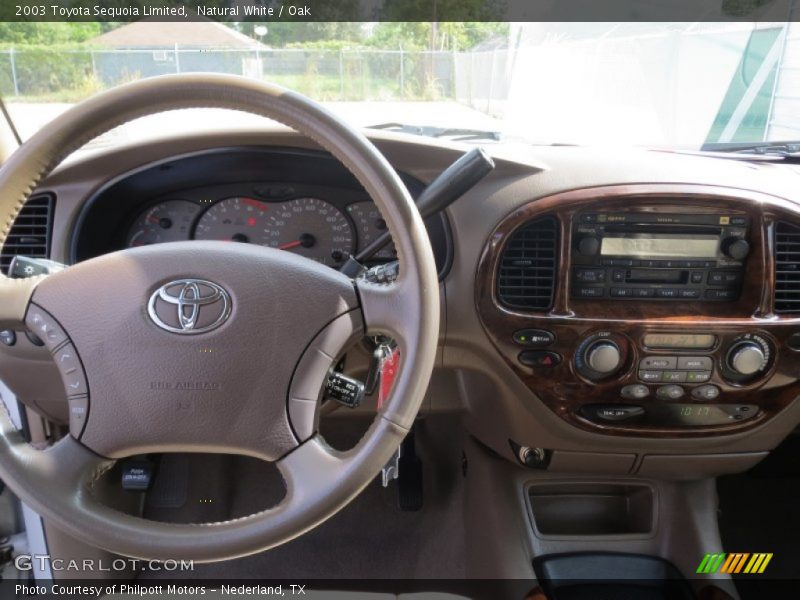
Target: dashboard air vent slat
527	272
31	232
787	267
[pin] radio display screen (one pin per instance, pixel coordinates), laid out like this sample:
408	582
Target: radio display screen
694	247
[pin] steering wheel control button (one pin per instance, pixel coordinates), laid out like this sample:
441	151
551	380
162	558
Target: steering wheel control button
705	392
8	337
34	339
613	413
636	391
78	411
71	370
539	358
534	338
658	362
670	392
45	327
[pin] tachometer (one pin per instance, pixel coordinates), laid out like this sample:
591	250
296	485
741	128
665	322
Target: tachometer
312	228
237	219
168	221
370	225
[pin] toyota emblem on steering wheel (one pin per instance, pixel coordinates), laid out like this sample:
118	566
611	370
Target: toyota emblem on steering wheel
189	306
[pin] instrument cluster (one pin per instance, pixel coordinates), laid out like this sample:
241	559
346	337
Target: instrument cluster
309	226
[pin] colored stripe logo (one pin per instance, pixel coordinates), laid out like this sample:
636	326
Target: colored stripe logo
737	562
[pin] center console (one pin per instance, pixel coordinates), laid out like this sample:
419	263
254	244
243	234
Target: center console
649	309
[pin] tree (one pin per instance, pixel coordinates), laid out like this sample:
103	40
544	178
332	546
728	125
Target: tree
31	33
438	36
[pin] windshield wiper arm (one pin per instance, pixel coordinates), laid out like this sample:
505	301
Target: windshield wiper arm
439	132
773	149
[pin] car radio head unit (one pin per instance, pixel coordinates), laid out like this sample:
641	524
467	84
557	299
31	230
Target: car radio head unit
658	256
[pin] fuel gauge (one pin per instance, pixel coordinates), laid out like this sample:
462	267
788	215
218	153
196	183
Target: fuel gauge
168	221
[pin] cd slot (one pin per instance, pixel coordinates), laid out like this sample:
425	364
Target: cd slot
664	229
656	276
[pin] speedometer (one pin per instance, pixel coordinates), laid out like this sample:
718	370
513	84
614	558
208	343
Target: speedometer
312	228
237	219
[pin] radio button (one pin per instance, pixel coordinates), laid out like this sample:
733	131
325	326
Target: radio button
622	292
643	292
689	293
697	276
729	294
674	376
666	293
591	275
637	391
658	362
698	376
650	375
618	275
706	392
670	392
695	363
723	277
589	292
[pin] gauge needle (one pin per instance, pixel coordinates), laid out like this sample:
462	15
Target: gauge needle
290	245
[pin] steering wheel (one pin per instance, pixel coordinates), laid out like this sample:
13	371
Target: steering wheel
211	346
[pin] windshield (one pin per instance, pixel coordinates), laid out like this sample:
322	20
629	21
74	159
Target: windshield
655	84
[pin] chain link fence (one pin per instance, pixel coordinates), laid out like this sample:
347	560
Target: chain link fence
68	74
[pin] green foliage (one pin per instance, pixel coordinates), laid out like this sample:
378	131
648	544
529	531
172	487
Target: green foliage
25	34
49	69
438	36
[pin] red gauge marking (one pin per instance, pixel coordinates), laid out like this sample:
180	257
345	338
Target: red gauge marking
251	221
290	245
254	203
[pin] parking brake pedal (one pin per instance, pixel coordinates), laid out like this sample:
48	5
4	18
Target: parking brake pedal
409	482
406	467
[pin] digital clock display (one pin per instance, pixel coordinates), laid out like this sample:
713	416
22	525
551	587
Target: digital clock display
687	341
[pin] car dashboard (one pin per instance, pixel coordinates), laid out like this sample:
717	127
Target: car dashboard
627	313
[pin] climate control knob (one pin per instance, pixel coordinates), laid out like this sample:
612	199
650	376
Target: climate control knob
747	358
601	355
604	357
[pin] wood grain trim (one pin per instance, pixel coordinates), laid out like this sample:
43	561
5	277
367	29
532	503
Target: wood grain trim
562	388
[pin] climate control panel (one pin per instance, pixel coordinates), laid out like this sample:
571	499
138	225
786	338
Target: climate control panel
640	378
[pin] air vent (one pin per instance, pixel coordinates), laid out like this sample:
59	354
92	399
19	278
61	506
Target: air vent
527	275
31	231
787	268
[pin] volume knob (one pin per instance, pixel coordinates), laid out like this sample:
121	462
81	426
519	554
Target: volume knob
747	358
604	357
589	245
